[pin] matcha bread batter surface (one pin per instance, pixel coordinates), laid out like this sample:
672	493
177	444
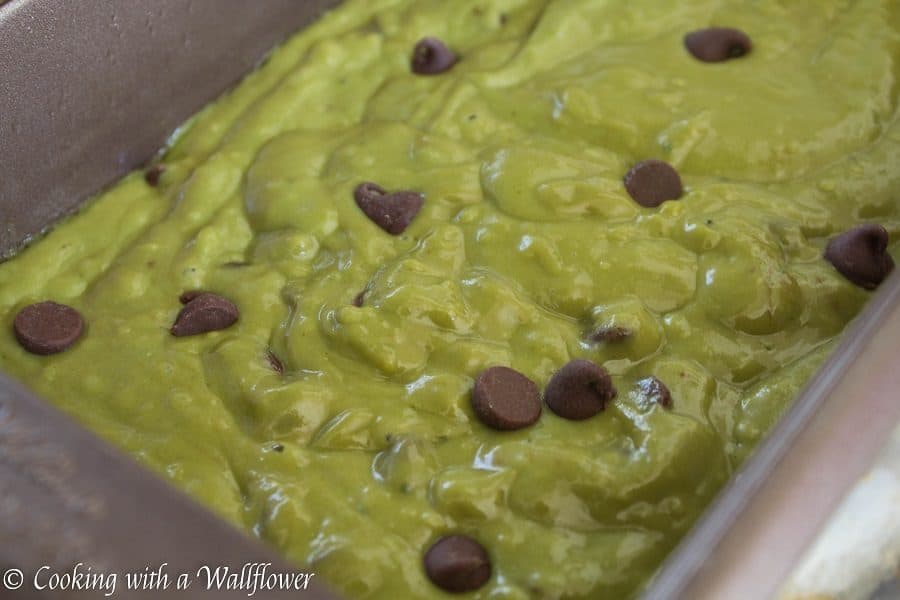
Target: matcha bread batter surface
545	195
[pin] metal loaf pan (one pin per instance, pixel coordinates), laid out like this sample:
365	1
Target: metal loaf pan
91	90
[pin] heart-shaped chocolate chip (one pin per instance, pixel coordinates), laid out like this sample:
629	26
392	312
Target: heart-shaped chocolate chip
392	211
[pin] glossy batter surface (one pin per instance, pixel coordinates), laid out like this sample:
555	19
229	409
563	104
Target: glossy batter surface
366	448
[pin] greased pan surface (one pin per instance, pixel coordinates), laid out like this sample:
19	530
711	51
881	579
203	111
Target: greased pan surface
68	498
92	89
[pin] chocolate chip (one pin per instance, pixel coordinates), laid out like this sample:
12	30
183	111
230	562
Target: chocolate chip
432	57
609	334
359	299
47	327
275	362
505	399
152	175
393	212
652	182
457	564
717	44
278	447
860	254
579	390
203	313
655	390
189	295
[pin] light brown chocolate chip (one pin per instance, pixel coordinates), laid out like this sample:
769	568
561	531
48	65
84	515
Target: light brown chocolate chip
431	57
655	390
47	327
579	390
717	44
652	182
203	313
457	564
505	399
393	211
860	254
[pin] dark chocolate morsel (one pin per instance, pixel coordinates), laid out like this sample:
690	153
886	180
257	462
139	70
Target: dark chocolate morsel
717	44
505	399
654	389
579	390
275	362
393	211
205	312
359	299
432	57
47	327
609	334
860	254
457	564
652	182
152	174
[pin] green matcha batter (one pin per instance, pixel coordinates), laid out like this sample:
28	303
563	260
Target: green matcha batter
366	449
